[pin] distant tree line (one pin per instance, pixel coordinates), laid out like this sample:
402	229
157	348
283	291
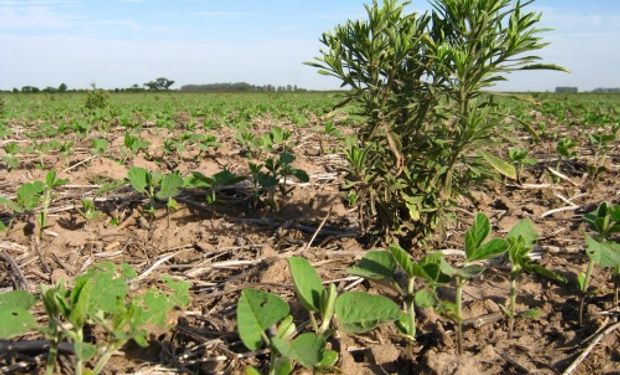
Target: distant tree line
607	90
239	87
566	89
165	84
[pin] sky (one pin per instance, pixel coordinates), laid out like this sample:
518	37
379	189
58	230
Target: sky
116	43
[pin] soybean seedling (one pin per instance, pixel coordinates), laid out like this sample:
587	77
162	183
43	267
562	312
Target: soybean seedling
278	172
263	320
211	184
51	182
605	222
519	158
89	212
134	145
99	298
99	146
156	187
600	142
475	251
10	160
602	253
565	149
385	265
521	239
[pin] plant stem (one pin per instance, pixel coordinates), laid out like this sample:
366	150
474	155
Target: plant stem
513	305
315	325
79	339
51	357
584	290
616	279
106	356
411	307
459	314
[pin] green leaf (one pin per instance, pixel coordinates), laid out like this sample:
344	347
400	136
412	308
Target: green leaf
604	254
266	181
170	186
16	299
88	351
499	165
490	249
470	271
307	283
330	358
29	195
251	371
360	312
480	229
376	265
526	230
300	174
403	259
15	319
547	273
307	349
581	281
425	299
138	178
180	291
282	366
545	67
531	314
80	302
257	311
110	289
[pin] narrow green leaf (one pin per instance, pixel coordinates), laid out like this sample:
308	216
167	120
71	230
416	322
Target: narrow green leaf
499	165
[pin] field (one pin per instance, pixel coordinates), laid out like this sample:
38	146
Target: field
223	233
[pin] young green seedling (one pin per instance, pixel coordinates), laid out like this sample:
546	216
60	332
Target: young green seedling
475	251
602	253
383	266
156	187
565	149
212	184
278	172
600	142
10	160
51	182
520	159
134	145
100	297
263	320
99	146
605	222
521	239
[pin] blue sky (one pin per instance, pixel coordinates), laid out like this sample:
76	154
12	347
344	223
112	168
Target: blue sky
116	43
